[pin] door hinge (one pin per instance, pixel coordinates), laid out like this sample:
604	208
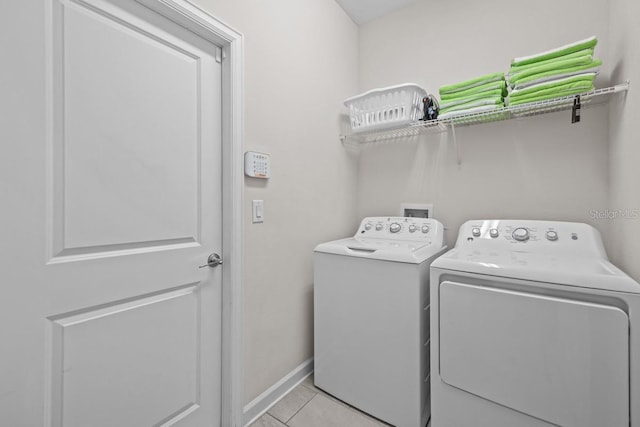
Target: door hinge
220	55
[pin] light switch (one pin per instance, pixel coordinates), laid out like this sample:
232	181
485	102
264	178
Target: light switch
257	211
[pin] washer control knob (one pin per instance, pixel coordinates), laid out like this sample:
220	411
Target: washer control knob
425	229
412	228
521	234
552	235
395	227
494	233
378	227
475	231
368	226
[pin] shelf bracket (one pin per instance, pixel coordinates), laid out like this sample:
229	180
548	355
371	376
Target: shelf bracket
575	111
455	141
622	87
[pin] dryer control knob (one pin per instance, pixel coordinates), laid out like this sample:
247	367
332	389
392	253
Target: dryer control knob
552	235
494	233
368	226
395	227
475	231
521	234
412	228
378	227
425	229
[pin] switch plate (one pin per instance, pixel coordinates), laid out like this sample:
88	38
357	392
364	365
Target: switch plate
257	211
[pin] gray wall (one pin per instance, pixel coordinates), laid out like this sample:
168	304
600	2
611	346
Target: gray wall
537	168
624	142
300	63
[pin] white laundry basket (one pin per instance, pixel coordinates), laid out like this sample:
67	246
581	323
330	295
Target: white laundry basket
386	107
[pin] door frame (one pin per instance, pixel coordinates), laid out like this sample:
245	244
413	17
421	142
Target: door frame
200	22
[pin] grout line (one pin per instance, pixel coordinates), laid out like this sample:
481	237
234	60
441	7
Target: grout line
271	391
351	408
315	390
334	399
303	406
266	414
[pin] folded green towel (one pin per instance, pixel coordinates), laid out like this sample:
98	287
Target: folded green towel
554	53
451	110
489	113
552	66
544	79
475	95
519	68
497	100
468	84
501	84
556	94
556	91
550	87
481	97
523	81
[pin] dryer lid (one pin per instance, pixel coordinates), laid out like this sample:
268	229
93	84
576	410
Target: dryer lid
574	255
595	273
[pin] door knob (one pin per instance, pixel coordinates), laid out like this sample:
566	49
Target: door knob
214	260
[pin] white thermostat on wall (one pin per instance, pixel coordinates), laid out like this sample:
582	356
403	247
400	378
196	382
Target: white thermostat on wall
256	165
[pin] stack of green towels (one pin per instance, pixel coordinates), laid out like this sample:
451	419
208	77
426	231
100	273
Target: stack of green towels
478	95
564	71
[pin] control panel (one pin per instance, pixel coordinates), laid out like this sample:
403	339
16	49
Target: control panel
257	165
531	235
400	228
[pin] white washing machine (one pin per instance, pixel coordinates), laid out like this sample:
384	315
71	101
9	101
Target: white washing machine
371	317
532	326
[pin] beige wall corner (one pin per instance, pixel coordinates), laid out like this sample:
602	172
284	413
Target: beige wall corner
623	209
301	62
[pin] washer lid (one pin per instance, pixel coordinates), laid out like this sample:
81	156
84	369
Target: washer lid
400	239
414	252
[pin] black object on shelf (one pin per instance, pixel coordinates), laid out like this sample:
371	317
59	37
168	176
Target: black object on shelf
431	108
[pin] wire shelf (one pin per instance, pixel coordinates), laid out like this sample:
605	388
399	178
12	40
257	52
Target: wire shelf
506	113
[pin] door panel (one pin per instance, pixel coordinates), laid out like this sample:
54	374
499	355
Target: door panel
116	200
563	361
159	351
138	181
127	130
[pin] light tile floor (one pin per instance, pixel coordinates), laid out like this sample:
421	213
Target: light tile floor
308	406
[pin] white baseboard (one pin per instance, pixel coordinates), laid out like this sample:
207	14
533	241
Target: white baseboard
261	404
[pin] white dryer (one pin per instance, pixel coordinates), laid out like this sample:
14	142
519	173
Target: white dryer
371	317
532	326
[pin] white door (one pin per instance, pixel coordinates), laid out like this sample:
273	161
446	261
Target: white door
111	200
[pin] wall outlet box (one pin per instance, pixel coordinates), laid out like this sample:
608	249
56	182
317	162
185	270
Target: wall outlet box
416	210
